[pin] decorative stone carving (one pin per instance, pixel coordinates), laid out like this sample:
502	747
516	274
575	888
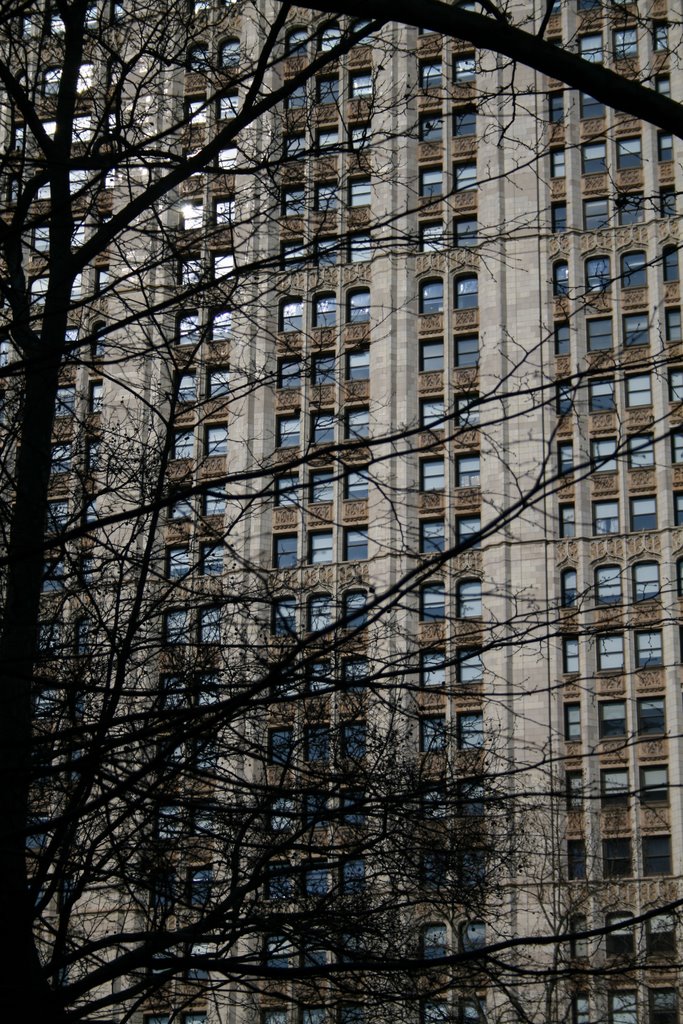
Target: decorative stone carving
430	382
353	574
602	422
562	365
466	497
468	561
322	394
615	822
318	576
638	418
672	291
285	518
466	379
430	263
668	229
605	483
634	298
466	439
432	439
654	819
354	511
595	184
287	398
566	551
464	200
643	544
464	146
355	273
464	318
641	480
558	188
649	679
592	126
354	334
320	513
430	323
601	360
431	502
289	341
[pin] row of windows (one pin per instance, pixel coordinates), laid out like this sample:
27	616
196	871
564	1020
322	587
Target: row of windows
626	208
432	76
610	653
327	92
650	719
357	306
635	331
605	515
430	126
228	55
608	583
607	452
615	788
465	294
601	393
589	108
622	1006
431	179
326	196
330	141
619	940
598	271
321	550
617	857
323	428
317	743
594	157
324	365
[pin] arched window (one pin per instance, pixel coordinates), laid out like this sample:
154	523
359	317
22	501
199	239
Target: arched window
433	602
469	599
291	314
198	58
608	584
328	36
325	310
434	942
319	612
466	292
296	44
568	587
284	616
560	278
229	53
670	263
472	935
645	581
431	297
633	270
598	274
358	307
355	612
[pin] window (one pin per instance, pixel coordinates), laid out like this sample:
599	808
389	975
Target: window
291	315
470	730
464	177
625	43
216	440
326	197
431	297
183	444
665	147
574	790
633	270
466	292
660	35
603	455
289	373
355	612
570	654
590	48
218	382
432	602
630	207
432	237
464	69
355	544
616	858
211	563
353	739
654	785
610	652
329	37
678	508
288	431
467	531
648	648
430	127
209	625
567	521
465	232
464	122
467	351
619	941
656	855
612	719
672	324
623	1008
296	43
468	597
608	584
285	551
284	616
280	746
555	107
660	935
560	278
636	329
229	53
614	787
432	668
357	422
432	734
599	334
651	716
177	562
576	859
356	484
431	74
676	446
327	90
641	451
589	107
360	192
198	58
320	547
593	158
469	665
322	486
294	147
358	364
601	395
472	936
358	307
598	274
432	475
431	356
558	217
629	153
432	413
595	213
667	202
565	458
670	264
467	410
431	181
326	252
568	588
557	163
638	390
214	504
663	1006
643	513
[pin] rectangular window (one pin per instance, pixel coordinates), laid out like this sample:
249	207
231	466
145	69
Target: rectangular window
595	213
360	192
616	858
629	153
643	514
612	719
610	653
557	163
638	390
570	654
467	351
567	521
656	855
599	334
